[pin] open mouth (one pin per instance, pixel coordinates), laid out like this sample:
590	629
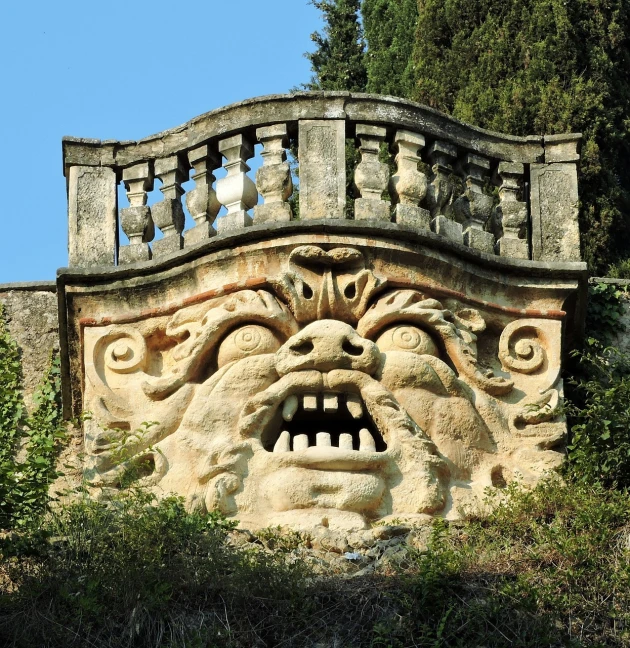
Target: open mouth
324	420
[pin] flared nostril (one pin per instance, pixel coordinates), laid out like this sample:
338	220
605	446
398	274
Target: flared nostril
303	348
352	349
326	345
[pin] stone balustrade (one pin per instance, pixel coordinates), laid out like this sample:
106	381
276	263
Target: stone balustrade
514	197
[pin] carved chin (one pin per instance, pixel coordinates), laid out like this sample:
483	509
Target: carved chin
326	440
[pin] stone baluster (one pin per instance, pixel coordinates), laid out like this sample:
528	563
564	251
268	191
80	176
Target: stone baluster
408	187
136	220
273	178
202	200
511	213
474	208
169	213
236	191
371	175
441	157
440	190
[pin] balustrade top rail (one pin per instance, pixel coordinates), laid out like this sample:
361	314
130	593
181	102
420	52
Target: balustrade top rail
511	196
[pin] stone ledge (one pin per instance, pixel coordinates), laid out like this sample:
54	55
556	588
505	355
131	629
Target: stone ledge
271	109
394	231
43	286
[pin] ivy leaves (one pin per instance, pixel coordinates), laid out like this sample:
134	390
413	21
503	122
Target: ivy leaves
29	444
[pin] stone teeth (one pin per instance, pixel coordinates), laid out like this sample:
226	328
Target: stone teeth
331	403
310	402
290	407
300	442
355	406
366	441
322	439
345	441
283	444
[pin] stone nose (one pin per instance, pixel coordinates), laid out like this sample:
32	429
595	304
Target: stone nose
327	345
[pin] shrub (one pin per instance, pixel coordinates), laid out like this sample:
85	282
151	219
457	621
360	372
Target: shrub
38	438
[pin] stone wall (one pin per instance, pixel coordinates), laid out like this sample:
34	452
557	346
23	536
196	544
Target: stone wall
30	310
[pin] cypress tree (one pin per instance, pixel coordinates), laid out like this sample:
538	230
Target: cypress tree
390	30
338	62
540	66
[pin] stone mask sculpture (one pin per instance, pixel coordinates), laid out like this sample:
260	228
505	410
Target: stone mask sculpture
325	395
325	371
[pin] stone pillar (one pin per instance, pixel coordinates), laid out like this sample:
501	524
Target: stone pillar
202	200
441	156
136	220
169	213
408	187
474	208
92	216
371	176
273	179
511	213
236	190
322	155
554	201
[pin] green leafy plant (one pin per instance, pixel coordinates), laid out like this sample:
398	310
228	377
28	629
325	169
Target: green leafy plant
29	444
599	451
605	312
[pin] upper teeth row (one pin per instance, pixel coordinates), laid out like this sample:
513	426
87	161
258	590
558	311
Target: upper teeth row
330	404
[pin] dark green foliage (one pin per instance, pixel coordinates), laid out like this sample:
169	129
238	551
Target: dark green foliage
541	66
548	567
619	269
135	572
604	313
11	420
600	445
35	439
338	62
390	31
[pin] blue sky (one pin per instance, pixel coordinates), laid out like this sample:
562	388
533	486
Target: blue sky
122	70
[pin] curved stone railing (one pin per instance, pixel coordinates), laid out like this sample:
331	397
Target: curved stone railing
515	197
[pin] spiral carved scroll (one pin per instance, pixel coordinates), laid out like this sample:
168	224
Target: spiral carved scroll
521	348
123	350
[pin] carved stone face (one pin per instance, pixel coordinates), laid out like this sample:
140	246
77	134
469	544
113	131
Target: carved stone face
326	395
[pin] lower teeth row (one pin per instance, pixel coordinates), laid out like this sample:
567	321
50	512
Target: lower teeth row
323	440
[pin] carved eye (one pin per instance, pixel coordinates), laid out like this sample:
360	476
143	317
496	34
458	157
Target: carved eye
247	341
407	338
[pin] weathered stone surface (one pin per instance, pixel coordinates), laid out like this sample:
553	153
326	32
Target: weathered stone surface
202	201
513	248
31	317
322	169
314	379
554	204
273	179
448	228
408	186
442	156
371	176
168	214
236	191
413	216
92	215
292	107
329	374
480	240
510	214
562	148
